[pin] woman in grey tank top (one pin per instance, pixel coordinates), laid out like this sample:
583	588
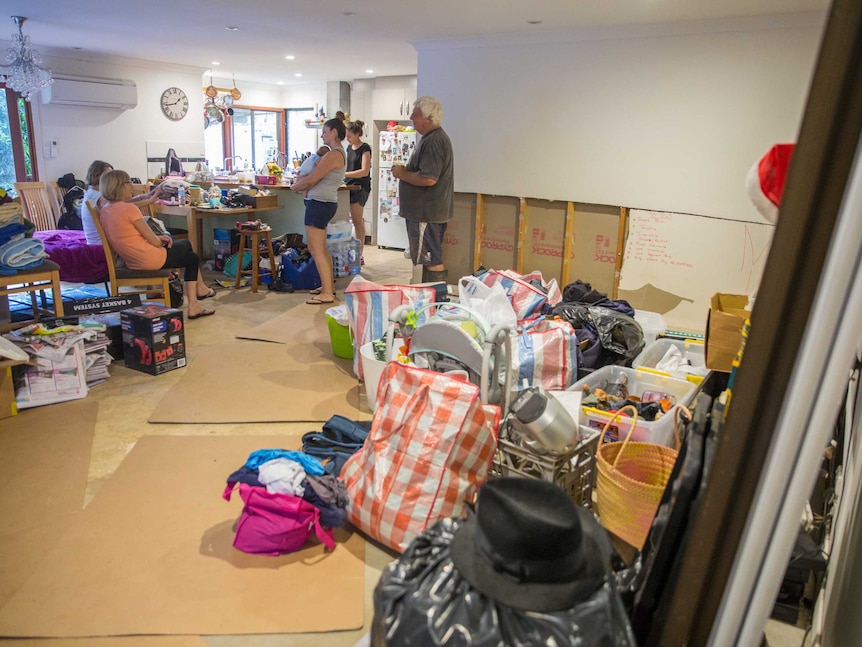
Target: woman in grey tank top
321	203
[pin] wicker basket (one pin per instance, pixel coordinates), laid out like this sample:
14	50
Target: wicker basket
632	477
573	471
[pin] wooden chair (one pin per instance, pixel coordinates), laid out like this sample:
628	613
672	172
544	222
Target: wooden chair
36	279
142	281
56	193
38	204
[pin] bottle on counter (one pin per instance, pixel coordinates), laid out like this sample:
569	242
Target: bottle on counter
181	195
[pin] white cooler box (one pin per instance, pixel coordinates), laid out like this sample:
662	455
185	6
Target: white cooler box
639	380
691	349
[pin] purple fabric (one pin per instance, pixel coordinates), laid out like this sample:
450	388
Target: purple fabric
78	261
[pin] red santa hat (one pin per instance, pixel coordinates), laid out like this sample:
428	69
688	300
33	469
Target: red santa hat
765	180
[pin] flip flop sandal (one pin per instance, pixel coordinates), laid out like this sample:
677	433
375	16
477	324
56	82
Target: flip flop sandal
208	295
317	291
315	301
206	312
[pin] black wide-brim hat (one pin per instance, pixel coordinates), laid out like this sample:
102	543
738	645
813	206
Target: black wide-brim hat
528	546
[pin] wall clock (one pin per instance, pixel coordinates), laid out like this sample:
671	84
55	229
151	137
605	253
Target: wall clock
175	104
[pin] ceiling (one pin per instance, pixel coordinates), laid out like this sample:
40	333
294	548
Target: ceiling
334	40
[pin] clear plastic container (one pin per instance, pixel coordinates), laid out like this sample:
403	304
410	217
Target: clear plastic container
639	380
652	323
692	350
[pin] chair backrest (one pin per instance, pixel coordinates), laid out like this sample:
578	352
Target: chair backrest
56	193
110	256
37	203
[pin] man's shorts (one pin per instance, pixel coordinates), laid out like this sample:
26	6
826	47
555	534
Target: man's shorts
318	214
426	242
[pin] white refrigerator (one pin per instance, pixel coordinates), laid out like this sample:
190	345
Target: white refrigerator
394	148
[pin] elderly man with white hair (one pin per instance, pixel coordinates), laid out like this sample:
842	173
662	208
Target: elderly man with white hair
426	187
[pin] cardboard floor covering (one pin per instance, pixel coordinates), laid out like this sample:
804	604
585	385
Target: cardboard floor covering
46	453
303	324
152	554
251	381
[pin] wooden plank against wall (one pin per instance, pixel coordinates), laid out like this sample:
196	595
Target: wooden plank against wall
522	235
477	244
621	245
568	237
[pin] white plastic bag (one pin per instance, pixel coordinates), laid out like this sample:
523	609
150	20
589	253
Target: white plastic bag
340	230
340	313
489	301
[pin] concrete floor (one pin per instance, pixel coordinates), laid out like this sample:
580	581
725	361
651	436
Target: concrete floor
128	397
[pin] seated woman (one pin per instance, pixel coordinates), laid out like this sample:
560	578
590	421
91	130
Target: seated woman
94	175
141	249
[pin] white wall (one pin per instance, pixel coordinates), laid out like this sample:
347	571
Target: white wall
666	122
119	136
116	136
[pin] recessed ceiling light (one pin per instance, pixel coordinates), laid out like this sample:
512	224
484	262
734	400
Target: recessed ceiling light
232	28
348	13
369	71
215	63
534	22
297	74
290	57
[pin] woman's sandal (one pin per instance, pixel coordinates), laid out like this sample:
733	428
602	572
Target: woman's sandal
317	291
208	295
320	300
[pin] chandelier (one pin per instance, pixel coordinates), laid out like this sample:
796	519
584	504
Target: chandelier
24	74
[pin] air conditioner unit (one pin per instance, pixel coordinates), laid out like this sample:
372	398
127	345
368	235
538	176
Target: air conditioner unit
119	94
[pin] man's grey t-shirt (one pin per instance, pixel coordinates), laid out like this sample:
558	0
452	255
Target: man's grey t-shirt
432	158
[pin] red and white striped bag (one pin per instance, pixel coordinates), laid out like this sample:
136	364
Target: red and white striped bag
429	449
545	353
527	299
370	305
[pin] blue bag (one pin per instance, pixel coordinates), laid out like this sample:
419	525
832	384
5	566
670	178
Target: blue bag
300	271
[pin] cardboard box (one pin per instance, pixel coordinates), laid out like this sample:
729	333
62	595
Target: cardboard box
153	339
260	201
727	314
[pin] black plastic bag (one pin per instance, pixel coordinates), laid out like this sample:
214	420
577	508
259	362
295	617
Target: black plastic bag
422	600
176	289
620	335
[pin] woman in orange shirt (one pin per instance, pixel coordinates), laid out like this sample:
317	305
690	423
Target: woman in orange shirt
134	242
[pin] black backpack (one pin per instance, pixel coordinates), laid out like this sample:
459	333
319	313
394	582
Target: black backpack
71	218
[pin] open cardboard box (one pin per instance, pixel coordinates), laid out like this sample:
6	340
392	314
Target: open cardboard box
727	314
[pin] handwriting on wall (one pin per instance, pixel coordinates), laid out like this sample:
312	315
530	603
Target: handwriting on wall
673	263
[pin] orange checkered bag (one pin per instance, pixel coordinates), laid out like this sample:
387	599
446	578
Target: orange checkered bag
429	449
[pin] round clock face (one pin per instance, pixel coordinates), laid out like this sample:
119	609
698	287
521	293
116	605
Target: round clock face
175	103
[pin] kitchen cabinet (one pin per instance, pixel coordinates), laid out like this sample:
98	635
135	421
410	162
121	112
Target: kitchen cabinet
393	103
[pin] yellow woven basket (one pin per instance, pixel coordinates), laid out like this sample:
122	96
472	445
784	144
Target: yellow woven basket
631	480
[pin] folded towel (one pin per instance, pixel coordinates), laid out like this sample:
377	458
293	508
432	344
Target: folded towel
22	252
12	230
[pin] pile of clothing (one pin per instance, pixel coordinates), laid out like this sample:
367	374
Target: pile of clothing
18	250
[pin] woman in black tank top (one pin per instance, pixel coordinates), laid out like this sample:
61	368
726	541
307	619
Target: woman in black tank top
358	174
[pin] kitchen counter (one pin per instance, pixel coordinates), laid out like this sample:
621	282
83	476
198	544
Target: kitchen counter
287	217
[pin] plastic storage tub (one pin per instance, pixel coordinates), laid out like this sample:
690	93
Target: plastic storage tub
639	380
339	335
652	323
691	349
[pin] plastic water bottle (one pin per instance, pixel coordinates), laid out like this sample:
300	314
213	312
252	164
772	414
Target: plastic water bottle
181	195
354	250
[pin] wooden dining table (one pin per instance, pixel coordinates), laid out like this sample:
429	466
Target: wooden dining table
194	216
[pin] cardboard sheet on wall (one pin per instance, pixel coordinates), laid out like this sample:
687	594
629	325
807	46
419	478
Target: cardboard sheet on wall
460	238
544	237
594	246
499	232
673	263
